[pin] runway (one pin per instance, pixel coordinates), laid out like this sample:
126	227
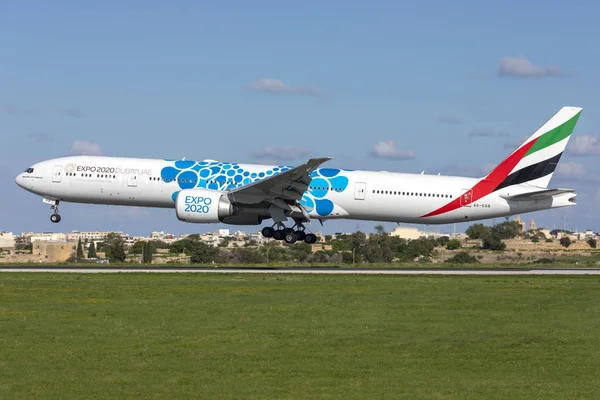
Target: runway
304	270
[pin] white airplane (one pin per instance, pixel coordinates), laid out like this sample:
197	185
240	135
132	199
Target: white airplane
247	194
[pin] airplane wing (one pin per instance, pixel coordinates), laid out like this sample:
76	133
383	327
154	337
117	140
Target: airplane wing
538	195
282	189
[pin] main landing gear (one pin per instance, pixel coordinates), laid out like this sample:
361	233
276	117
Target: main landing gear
289	235
55	217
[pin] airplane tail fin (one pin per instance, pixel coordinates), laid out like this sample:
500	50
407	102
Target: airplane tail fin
535	160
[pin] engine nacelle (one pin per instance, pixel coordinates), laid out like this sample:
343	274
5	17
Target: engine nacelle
202	206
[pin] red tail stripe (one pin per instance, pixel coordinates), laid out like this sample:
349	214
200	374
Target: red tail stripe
489	183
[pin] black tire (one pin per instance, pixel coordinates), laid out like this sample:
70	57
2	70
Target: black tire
55	218
300	235
278	234
290	238
268	232
287	231
310	238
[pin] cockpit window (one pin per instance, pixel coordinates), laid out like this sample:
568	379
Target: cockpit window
29	170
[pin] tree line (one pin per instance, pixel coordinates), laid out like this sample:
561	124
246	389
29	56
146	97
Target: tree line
354	248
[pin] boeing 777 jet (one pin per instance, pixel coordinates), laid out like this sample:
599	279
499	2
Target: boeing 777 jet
211	191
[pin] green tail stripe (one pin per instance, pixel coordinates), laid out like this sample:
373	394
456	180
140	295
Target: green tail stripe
555	135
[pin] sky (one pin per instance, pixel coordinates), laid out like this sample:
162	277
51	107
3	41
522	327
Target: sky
434	86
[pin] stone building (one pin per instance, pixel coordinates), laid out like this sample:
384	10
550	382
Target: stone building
53	251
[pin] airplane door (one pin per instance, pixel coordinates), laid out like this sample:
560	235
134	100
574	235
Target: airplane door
359	190
466	197
57	172
132	180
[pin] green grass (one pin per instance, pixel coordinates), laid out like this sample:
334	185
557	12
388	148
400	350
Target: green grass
147	336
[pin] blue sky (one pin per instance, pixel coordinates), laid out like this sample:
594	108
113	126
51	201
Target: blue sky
439	86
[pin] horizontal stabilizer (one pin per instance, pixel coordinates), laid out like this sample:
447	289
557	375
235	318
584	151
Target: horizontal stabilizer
538	195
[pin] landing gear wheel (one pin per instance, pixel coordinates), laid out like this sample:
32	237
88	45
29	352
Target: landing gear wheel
300	235
268	232
55	218
290	237
310	238
278	234
287	231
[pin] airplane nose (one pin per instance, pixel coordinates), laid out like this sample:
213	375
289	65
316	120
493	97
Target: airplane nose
19	180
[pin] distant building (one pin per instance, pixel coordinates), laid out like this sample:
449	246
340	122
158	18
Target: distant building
97	236
519	221
7	240
47	236
532	226
409	232
53	251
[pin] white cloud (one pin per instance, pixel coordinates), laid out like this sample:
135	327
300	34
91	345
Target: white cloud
449	119
280	153
571	170
275	86
487	133
584	146
83	147
521	67
388	149
575	172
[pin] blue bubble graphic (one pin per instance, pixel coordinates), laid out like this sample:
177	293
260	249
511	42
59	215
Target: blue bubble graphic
227	176
324	207
320	187
339	182
308	203
329	172
184	164
187	179
168	173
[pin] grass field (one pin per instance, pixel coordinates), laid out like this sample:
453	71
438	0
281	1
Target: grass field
147	336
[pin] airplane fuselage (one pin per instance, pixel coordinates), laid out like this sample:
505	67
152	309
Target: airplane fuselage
332	193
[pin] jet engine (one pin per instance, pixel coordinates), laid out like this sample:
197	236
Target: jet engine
202	206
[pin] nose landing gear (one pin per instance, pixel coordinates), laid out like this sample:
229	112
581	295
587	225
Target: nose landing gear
55	217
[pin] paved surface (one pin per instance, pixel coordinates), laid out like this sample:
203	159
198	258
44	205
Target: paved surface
314	270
